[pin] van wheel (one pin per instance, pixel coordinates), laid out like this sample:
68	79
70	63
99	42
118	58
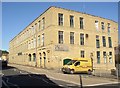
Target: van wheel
89	72
71	71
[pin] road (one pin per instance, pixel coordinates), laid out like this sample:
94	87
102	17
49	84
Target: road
18	78
12	76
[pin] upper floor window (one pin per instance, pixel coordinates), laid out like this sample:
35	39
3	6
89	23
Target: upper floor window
71	37
108	27
82	54
97	42
81	23
39	40
96	24
60	19
60	37
110	42
81	39
104	41
71	21
34	44
39	25
42	43
102	26
43	22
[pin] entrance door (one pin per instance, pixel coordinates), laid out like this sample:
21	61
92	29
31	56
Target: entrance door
40	60
44	56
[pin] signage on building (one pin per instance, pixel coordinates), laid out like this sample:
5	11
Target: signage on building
20	53
61	48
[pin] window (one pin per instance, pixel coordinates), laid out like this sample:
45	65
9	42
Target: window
97	42
110	57
29	57
34	57
81	23
60	37
39	40
42	43
98	57
34	43
35	27
82	54
60	19
43	22
96	25
102	26
104	41
108	27
110	42
39	25
105	57
29	45
71	37
77	63
81	39
71	21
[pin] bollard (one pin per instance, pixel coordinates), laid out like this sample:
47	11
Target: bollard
81	86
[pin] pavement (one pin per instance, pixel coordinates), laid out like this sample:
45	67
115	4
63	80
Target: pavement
87	80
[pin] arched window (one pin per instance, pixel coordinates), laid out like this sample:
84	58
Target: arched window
44	55
29	57
34	57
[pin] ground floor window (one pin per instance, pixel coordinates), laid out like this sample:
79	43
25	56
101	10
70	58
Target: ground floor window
34	57
98	57
40	59
82	53
29	57
105	58
110	57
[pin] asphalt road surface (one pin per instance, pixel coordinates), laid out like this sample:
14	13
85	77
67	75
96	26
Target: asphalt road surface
13	77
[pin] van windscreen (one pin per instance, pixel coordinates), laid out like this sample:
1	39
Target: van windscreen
71	62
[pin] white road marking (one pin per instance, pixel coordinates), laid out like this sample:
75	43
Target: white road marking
61	85
5	84
102	84
1	74
15	69
23	72
63	80
10	82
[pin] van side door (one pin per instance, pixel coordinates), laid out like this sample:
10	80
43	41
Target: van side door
77	66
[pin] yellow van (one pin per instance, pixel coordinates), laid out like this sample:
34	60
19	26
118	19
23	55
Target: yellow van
78	65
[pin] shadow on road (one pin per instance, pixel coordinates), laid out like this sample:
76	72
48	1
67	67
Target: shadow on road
29	80
7	67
